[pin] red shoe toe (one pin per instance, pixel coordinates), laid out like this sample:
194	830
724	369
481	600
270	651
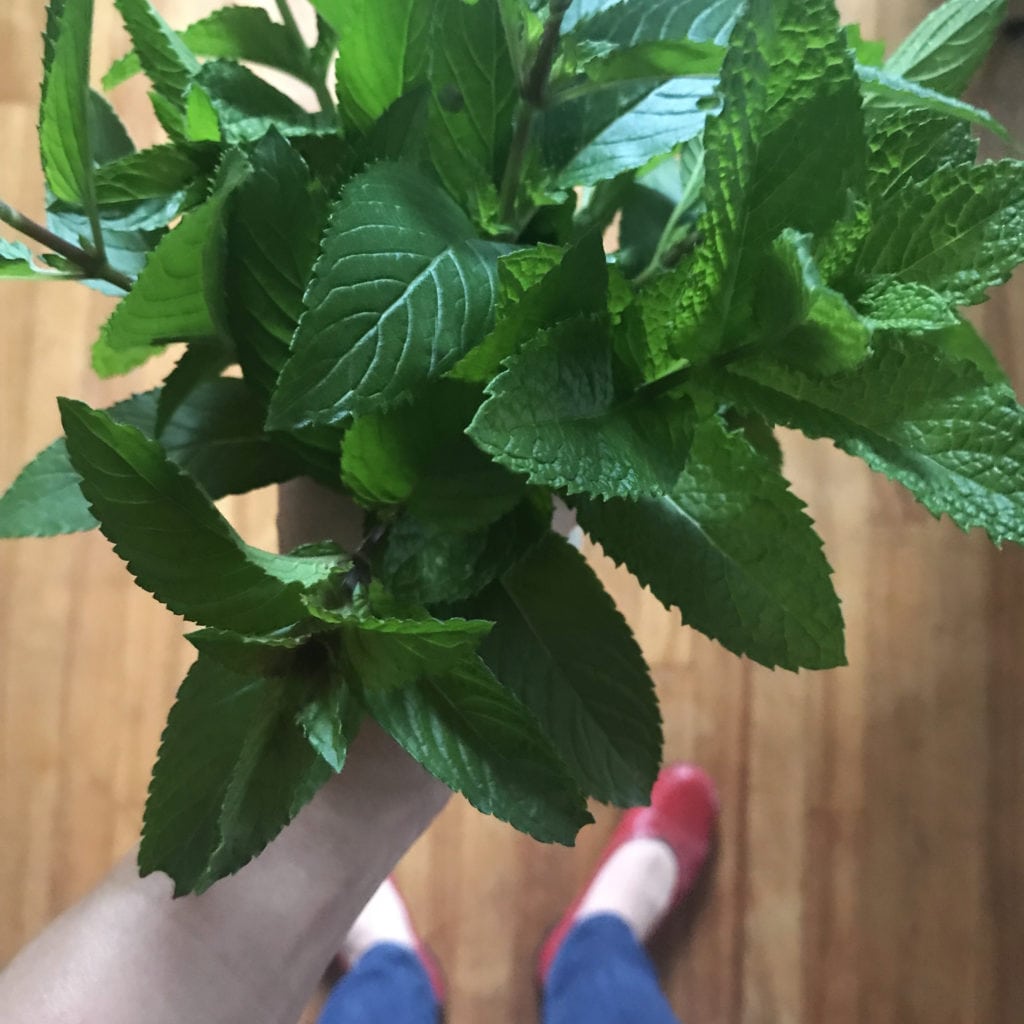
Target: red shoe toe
682	813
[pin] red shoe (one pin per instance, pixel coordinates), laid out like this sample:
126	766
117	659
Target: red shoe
682	813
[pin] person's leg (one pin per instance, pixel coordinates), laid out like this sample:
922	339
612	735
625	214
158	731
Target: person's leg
593	967
388	980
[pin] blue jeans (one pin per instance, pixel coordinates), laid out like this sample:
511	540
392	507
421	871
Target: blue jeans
601	975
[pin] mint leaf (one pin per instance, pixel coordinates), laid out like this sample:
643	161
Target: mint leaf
538	288
732	549
557	416
960	231
275	221
401	290
621	126
426	564
475	90
176	297
924	418
176	544
17	261
788	87
64	142
152	173
247	107
215	434
883	90
807	323
236	33
167	61
899	306
962	341
382	49
467	730
948	46
418	456
200	362
234	768
561	646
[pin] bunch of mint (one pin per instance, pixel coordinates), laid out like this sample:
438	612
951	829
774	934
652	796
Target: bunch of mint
413	283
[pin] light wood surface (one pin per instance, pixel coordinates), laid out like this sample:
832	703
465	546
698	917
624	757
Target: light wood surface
871	862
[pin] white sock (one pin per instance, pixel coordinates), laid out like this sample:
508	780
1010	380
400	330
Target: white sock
636	883
384	919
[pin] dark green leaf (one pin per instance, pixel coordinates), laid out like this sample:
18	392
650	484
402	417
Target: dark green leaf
64	142
927	419
898	306
167	61
108	136
401	290
202	361
176	544
275	221
556	415
948	46
561	646
234	768
160	171
733	550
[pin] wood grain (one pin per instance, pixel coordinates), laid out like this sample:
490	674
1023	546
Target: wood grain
871	858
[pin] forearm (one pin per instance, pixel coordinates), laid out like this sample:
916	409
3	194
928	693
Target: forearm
250	949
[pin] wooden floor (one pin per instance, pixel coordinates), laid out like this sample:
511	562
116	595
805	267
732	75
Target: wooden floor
871	861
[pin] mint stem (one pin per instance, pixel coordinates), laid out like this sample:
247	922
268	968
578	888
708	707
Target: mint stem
323	94
531	99
93	265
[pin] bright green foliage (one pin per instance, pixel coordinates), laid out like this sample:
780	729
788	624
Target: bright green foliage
382	49
733	551
176	296
561	646
236	33
414	285
234	768
176	544
64	141
215	434
922	417
557	416
401	290
945	50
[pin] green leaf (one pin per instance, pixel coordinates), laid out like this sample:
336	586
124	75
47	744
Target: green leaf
561	646
247	107
235	33
275	221
960	231
401	290
557	416
167	61
883	90
948	46
418	456
908	146
807	323
962	341
474	95
177	296
234	768
899	306
200	362
621	126
426	564
215	435
176	544
869	52
64	136
927	419
788	87
17	261
732	549
538	288
467	730
382	50
152	173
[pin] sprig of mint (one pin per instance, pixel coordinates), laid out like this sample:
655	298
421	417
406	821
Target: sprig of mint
411	278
